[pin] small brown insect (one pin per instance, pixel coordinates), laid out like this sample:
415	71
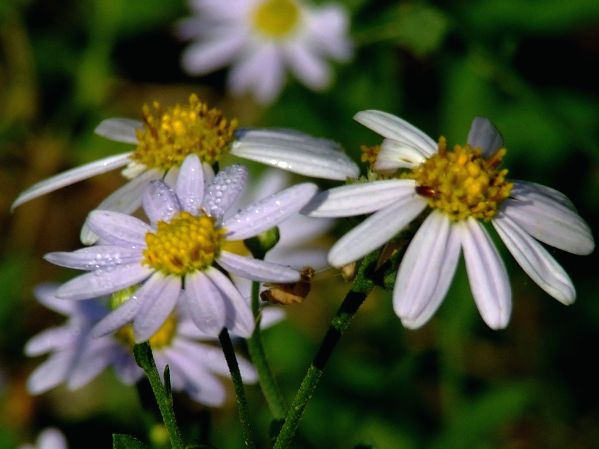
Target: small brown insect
426	191
293	293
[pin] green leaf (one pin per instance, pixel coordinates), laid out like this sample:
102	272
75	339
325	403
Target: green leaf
167	382
120	441
420	28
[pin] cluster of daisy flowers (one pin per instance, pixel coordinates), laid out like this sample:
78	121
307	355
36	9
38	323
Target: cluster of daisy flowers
179	276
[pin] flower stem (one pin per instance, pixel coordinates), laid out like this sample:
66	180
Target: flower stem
244	415
145	360
268	383
361	288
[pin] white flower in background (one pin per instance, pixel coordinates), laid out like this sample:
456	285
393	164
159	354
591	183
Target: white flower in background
49	438
166	136
462	188
262	39
186	237
77	357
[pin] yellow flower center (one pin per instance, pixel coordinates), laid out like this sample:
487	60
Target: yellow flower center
369	154
171	134
461	183
185	244
276	18
159	340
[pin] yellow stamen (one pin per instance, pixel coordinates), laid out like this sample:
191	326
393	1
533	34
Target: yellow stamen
276	18
369	154
185	244
461	183
159	340
171	134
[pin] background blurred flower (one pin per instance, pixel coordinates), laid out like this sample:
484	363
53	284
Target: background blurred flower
261	39
49	438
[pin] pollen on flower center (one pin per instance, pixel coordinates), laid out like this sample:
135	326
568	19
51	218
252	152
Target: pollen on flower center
185	244
159	340
171	134
276	18
461	183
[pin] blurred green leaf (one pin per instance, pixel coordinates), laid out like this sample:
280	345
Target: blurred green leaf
120	441
420	28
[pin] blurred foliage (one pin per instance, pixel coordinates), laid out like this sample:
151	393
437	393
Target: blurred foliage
530	66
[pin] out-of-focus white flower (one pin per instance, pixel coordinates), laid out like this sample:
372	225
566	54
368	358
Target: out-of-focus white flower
77	357
49	438
186	237
462	188
262	39
166	136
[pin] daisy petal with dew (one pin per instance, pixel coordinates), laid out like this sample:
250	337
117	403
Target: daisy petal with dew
264	39
155	263
461	189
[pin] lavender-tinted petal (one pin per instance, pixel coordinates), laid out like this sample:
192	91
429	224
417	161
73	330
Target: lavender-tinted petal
160	202
224	190
119	129
95	257
190	184
257	270
484	135
205	304
115	228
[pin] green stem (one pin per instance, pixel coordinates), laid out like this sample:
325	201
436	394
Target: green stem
145	360
361	288
268	384
244	414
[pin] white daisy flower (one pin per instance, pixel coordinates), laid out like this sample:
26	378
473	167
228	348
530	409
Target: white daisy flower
166	136
177	251
461	188
261	39
49	438
77	358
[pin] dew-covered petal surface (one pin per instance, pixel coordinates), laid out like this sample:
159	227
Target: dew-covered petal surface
426	271
485	136
257	270
95	257
358	199
225	189
158	297
115	228
295	152
160	202
392	127
190	184
394	155
238	317
204	303
103	281
550	221
535	260
126	199
50	340
71	176
487	275
119	129
375	230
268	212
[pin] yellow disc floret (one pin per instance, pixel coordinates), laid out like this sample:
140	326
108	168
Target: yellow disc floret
159	340
369	154
276	18
171	134
185	244
461	183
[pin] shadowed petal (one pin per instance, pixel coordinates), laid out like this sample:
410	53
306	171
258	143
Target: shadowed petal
190	184
488	278
46	295
116	319
395	154
257	270
50	373
205	304
50	340
119	129
485	136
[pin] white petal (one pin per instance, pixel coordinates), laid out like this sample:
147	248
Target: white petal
535	260
299	230
358	199
71	176
46	295
246	72
392	127
205	304
50	373
158	297
295	152
307	66
50	340
299	258
119	129
126	199
394	155
523	190
239	318
426	271
206	56
51	438
104	281
268	212
115	228
375	230
550	221
268	85
224	190
257	270
190	184
118	318
95	257
328	29
160	202
485	136
488	278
